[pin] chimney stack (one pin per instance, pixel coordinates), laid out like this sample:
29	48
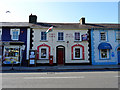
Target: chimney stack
32	19
82	20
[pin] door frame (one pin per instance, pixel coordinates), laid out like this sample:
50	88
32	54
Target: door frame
57	54
117	54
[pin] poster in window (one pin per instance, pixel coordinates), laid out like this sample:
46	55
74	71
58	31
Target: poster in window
84	37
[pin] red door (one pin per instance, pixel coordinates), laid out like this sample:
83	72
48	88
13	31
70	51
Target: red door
60	56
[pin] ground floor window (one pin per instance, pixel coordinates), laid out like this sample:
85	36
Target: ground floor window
104	54
43	54
77	52
11	54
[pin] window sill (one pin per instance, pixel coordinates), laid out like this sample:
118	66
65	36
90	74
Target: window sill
77	59
42	59
77	41
60	41
43	40
105	59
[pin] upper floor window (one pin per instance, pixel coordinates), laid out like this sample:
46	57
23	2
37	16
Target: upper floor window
15	34
43	36
60	36
103	36
117	35
77	36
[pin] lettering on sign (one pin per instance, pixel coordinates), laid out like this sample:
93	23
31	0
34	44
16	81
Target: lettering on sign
69	35
52	35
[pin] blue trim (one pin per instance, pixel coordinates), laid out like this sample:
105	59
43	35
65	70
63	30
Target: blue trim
92	46
106	36
104	45
106	63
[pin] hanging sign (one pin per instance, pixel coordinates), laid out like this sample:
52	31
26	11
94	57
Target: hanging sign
84	37
32	57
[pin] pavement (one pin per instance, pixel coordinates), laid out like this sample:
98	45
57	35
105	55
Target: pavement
61	68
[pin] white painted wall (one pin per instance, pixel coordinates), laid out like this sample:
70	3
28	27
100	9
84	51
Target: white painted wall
53	43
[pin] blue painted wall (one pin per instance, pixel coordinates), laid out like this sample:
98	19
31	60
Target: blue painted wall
22	37
6	34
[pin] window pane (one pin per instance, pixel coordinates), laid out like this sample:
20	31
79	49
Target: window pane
77	36
60	35
103	35
43	53
77	52
15	35
104	53
43	36
117	35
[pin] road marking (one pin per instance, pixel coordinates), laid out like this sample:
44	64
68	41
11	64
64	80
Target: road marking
53	77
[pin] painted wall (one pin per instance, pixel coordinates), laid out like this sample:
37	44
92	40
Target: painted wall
53	43
22	37
95	41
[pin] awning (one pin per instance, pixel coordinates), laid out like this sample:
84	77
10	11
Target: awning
104	46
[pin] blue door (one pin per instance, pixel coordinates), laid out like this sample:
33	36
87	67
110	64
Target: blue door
119	56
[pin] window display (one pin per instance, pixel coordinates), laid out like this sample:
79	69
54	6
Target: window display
11	55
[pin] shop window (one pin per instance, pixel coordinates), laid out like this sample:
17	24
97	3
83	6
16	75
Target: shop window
103	36
43	36
117	35
60	36
43	53
104	53
11	54
15	34
77	36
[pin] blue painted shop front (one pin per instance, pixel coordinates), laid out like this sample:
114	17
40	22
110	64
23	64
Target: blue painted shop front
13	49
118	53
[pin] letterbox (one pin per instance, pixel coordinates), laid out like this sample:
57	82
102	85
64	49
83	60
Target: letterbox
51	60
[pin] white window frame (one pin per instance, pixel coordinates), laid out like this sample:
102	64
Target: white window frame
117	33
47	52
58	36
105	35
41	36
12	33
74	36
108	52
81	56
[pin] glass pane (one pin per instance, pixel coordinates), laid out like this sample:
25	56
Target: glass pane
43	36
103	35
43	53
77	52
104	53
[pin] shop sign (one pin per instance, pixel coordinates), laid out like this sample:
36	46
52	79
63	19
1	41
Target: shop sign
84	37
6	43
32	57
32	61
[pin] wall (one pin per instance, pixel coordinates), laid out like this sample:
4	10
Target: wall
95	51
53	43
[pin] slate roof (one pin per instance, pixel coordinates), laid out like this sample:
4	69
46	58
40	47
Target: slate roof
60	25
14	24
